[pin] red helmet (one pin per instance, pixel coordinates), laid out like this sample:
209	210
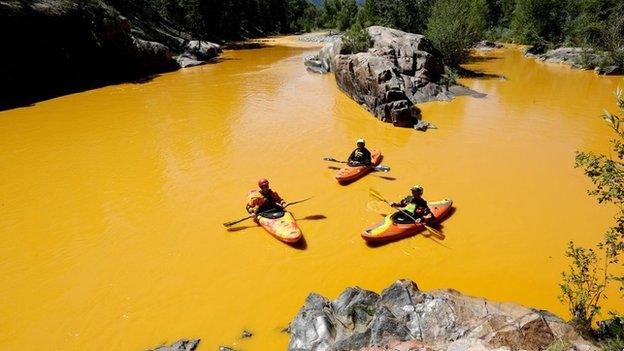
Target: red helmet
263	182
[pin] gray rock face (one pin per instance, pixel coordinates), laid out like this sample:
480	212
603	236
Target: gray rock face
487	45
399	70
197	52
578	58
405	318
180	345
610	70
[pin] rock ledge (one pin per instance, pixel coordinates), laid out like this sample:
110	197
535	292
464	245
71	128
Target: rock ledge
399	70
403	318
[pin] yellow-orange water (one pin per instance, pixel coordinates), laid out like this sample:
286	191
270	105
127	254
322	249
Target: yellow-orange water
112	200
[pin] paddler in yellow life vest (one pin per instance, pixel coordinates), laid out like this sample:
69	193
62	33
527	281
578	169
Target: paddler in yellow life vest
421	211
264	200
360	156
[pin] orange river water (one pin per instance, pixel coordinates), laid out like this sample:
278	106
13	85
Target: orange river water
112	200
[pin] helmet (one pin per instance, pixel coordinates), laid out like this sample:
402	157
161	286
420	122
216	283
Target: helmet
417	188
360	141
263	182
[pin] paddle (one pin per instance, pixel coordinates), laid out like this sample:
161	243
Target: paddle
379	197
380	168
229	224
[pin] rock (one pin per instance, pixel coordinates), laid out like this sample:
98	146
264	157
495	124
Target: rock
225	348
487	45
398	71
610	70
246	334
197	52
405	318
180	345
574	56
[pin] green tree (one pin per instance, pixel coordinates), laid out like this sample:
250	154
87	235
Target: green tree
407	15
454	26
539	22
346	15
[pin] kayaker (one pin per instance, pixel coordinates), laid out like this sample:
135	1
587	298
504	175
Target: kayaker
422	212
360	156
264	200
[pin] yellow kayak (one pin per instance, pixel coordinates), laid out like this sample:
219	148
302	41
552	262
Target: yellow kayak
282	225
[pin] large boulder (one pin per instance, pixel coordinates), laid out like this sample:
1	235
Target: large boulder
197	52
399	70
405	318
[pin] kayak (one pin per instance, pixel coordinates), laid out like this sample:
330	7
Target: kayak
280	224
348	174
398	225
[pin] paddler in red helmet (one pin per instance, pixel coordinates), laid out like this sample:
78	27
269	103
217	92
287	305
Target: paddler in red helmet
264	199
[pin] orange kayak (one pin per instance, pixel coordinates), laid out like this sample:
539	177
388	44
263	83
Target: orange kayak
348	174
398	226
282	225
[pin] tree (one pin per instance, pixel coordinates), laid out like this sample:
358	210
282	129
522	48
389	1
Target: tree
539	22
589	275
454	26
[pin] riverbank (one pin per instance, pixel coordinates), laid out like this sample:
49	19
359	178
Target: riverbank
74	46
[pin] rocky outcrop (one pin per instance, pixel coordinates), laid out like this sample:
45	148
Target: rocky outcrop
197	52
56	47
576	57
405	318
398	71
180	345
487	45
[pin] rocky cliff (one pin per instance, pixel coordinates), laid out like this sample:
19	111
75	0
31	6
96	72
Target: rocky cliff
53	47
399	70
403	318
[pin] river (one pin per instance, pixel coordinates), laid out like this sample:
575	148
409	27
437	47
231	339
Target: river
112	200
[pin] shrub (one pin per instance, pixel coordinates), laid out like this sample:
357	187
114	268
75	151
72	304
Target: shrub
356	39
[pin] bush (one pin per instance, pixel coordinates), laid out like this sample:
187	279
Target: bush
356	39
454	26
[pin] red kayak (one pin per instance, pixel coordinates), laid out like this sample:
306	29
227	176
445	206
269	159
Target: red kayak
348	174
398	226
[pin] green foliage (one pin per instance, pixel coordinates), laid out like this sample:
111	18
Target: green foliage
559	345
220	20
537	22
589	275
454	26
356	39
583	286
406	15
339	14
449	77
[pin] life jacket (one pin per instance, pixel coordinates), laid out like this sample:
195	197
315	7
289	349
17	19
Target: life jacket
255	199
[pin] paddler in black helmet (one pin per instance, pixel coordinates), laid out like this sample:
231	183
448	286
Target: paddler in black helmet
360	156
421	212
